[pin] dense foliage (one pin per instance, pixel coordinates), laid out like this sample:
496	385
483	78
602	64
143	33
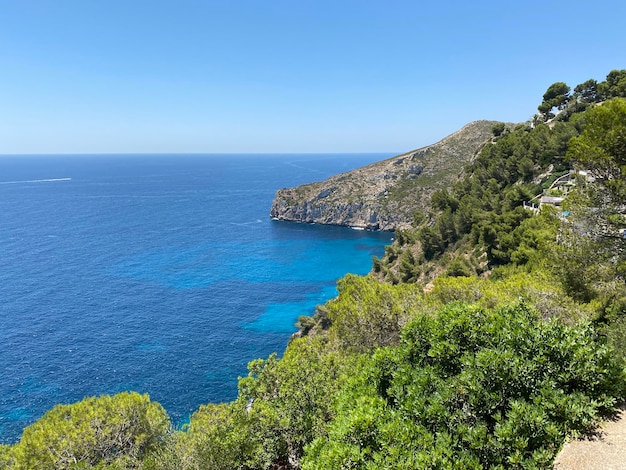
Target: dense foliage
109	431
478	224
601	148
471	388
498	333
486	209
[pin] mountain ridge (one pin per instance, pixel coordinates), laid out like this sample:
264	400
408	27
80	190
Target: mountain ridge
385	195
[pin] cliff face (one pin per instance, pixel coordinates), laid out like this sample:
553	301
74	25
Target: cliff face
384	195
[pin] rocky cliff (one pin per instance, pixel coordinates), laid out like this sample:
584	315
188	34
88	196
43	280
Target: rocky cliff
385	195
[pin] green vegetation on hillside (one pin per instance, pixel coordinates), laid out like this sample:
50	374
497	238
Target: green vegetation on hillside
470	388
479	223
107	432
484	337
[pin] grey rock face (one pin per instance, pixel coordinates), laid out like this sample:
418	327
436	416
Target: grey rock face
385	195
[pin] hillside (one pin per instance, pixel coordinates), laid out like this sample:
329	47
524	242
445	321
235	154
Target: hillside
384	195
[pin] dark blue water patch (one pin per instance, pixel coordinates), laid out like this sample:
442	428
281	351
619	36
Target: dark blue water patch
159	274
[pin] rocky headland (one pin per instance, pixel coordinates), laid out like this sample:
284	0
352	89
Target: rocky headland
385	195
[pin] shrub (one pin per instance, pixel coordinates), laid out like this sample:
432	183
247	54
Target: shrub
472	388
108	430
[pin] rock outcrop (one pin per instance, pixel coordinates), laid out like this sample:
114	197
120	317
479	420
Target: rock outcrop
385	195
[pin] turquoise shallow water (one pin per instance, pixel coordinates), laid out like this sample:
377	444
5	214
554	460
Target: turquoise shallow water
162	274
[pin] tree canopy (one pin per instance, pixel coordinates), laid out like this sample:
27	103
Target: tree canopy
118	430
556	96
601	149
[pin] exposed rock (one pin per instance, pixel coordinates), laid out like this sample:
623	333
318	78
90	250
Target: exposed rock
384	195
325	193
415	170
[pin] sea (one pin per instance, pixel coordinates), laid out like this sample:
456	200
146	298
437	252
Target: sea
162	274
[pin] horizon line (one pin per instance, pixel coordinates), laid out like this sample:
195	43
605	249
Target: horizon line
195	153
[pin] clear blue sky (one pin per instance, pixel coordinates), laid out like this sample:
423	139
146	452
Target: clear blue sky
100	76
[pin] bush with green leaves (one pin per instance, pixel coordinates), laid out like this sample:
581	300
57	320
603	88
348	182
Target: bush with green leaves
283	405
368	314
115	431
218	436
472	388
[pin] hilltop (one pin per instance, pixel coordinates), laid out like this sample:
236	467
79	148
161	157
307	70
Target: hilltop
385	195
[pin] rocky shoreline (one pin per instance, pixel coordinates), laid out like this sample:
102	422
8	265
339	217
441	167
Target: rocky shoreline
385	195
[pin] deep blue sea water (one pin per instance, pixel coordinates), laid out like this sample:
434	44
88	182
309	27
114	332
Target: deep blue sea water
161	274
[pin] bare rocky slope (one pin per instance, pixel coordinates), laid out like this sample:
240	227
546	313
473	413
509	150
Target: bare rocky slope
385	195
